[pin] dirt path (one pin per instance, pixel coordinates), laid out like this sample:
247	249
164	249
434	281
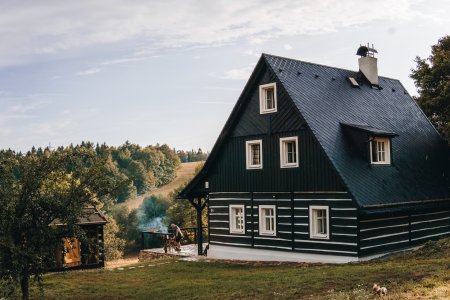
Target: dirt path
185	172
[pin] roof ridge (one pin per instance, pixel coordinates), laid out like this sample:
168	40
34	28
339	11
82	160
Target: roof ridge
322	65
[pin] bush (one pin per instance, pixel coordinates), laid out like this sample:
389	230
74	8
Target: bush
114	245
8	288
128	224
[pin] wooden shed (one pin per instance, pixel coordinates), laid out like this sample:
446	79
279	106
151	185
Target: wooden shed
84	255
318	163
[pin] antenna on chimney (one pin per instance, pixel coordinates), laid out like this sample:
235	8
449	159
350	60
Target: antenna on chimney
365	51
368	63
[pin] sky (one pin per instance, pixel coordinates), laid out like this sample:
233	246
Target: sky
171	71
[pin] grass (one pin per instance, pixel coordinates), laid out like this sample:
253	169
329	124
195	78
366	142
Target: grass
421	274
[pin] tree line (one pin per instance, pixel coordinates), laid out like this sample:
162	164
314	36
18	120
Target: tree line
192	156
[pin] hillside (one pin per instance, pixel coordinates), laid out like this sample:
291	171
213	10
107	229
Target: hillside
185	172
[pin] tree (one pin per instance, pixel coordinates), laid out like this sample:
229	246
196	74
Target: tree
37	189
432	79
114	245
128	226
154	207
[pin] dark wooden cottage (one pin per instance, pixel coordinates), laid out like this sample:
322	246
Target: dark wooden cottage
318	163
84	255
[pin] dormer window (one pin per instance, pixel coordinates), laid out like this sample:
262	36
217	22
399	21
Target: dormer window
380	151
268	98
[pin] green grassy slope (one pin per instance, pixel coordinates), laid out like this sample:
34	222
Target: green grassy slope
422	274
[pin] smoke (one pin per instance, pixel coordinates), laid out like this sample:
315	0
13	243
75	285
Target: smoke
152	214
154	224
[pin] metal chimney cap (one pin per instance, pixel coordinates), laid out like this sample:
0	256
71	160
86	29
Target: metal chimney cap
364	50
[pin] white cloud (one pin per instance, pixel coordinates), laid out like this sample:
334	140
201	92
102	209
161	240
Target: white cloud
23	104
16	109
252	53
287	47
88	71
32	30
239	73
123	60
50	130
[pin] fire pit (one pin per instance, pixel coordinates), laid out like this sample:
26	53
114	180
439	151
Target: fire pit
154	238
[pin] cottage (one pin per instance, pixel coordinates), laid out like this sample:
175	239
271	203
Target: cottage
318	163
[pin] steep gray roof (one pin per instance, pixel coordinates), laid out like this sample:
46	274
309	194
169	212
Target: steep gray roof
326	100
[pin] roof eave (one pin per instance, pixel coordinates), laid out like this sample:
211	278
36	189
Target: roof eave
375	132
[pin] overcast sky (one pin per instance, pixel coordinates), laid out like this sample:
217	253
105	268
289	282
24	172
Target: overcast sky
170	71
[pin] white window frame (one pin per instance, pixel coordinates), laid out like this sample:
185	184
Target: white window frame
262	98
312	223
262	220
248	154
283	152
387	150
232	215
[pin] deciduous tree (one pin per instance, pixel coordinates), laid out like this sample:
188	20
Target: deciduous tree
432	79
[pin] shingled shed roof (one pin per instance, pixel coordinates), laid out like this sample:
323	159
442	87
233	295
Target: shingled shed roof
325	99
328	103
91	216
369	129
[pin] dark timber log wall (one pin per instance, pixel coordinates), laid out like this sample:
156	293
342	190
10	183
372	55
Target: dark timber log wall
385	234
314	173
292	218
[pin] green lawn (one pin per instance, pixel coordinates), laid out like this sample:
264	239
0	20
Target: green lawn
423	274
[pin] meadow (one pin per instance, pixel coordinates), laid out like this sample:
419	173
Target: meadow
419	274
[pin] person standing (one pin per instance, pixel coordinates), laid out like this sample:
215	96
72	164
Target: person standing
177	235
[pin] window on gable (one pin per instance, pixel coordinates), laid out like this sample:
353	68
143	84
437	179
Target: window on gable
380	151
237	219
289	152
319	223
267	220
254	154
268	98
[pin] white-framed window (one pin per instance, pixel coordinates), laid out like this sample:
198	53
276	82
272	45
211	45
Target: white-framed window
254	154
267	220
237	219
319	222
268	98
380	151
289	152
